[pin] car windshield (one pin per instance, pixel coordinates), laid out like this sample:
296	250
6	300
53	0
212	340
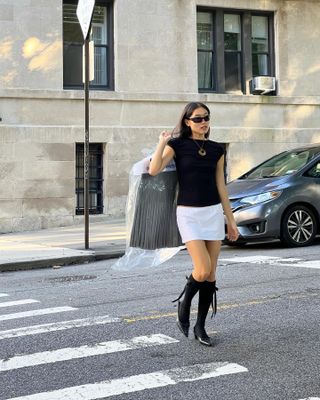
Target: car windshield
283	164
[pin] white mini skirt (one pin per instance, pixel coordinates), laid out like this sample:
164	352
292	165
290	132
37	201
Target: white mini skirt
201	223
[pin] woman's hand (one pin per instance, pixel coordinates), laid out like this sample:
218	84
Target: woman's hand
164	137
232	231
163	154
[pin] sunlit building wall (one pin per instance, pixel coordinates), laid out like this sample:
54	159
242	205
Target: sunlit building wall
151	58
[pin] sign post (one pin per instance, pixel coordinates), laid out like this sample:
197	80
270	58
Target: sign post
84	14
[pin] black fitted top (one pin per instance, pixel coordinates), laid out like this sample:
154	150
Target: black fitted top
196	174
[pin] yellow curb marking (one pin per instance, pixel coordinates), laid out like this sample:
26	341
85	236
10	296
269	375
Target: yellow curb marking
174	314
221	308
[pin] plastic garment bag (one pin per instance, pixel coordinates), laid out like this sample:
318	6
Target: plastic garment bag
152	232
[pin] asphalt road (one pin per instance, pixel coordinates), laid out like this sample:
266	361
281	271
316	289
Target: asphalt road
88	332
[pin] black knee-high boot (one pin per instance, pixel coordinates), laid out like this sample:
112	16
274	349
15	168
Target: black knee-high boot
189	291
207	297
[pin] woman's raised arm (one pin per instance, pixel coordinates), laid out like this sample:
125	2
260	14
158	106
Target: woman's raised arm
163	154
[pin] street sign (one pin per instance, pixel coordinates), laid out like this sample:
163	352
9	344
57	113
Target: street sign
84	14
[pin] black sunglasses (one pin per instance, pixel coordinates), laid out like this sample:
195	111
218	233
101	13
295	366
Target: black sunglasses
197	120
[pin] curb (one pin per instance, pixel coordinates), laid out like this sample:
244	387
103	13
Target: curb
60	261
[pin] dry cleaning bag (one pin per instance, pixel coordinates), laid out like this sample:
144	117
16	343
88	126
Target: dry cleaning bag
151	227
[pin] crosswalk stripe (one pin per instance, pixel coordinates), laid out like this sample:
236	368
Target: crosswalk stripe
308	264
312	398
4	295
140	382
70	353
17	303
33	313
251	259
276	261
57	326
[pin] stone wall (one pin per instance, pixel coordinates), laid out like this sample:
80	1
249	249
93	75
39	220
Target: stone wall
155	44
155	76
31	44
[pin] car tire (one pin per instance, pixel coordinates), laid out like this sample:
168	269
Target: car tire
298	226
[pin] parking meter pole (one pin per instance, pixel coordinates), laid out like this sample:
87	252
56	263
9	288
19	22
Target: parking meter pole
86	145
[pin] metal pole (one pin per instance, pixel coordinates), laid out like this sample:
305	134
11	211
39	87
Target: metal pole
86	144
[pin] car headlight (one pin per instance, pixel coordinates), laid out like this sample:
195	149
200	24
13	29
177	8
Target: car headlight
260	198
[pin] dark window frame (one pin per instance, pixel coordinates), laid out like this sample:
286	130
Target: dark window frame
218	64
270	53
212	51
109	48
95	177
240	52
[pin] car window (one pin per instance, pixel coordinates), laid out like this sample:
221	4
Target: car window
314	172
283	164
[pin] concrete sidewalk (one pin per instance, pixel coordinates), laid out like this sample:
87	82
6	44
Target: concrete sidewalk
62	246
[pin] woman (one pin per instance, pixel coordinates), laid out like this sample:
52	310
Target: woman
202	199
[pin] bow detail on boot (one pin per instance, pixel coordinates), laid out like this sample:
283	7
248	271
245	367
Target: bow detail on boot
183	320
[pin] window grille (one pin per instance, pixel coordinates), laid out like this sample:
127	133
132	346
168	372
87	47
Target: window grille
95	178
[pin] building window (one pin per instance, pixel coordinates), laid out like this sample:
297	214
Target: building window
101	34
95	178
232	52
206	54
233	47
260	45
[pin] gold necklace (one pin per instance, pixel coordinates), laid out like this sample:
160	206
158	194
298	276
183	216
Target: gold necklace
201	150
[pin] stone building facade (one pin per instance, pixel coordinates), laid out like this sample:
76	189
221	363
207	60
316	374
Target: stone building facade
152	57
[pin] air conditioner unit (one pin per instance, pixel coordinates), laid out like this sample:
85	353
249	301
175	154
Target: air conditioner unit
263	85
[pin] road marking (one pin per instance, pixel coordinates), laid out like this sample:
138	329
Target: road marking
262	300
71	353
276	261
17	303
57	326
219	308
33	313
140	382
3	295
312	398
308	264
174	314
251	259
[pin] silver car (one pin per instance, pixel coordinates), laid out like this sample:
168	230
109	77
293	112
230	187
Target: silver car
279	199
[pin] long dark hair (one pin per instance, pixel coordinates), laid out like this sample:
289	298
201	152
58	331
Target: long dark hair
184	131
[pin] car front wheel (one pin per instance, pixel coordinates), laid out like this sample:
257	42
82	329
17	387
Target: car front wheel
298	227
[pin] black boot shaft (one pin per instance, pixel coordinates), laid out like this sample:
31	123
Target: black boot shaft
191	288
207	297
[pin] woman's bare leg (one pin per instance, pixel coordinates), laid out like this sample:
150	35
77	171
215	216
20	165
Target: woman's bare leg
207	293
213	248
202	264
204	257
